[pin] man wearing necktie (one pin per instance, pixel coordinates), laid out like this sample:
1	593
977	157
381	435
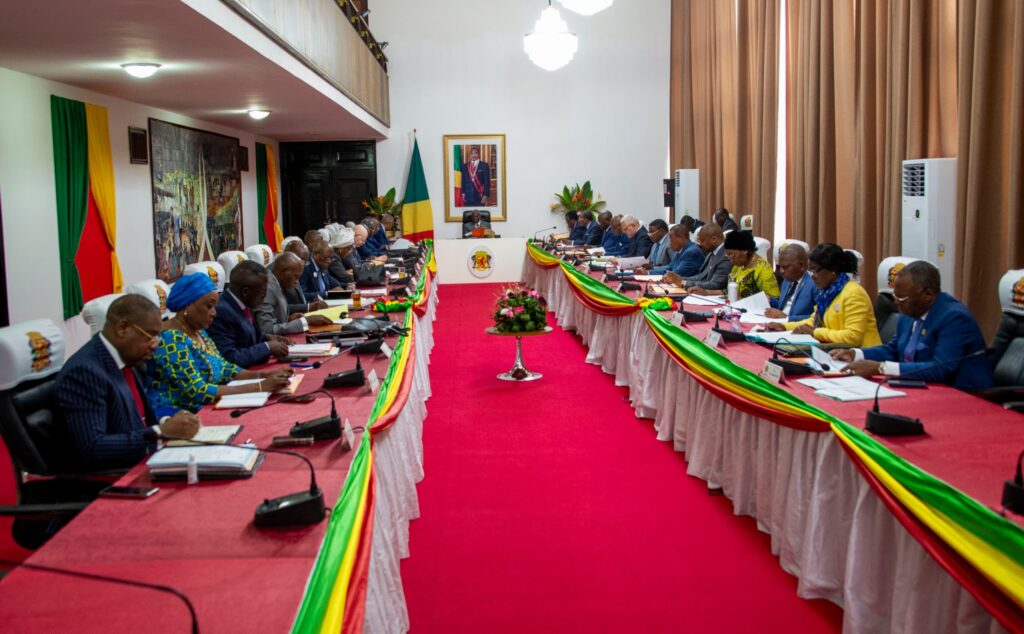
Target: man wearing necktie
660	254
937	338
233	329
316	280
109	422
796	298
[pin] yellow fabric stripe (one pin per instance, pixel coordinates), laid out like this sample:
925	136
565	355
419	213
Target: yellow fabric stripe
1002	571
272	197
417	217
335	612
101	181
607	302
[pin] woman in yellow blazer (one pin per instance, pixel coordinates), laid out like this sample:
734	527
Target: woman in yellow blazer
842	309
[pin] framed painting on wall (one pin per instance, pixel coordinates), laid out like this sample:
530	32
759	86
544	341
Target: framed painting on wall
474	175
197	196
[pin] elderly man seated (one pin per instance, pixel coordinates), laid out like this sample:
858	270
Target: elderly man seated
110	421
275	316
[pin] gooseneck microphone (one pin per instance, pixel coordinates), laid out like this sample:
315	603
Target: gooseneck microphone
792	368
543	230
91	576
288	398
323	428
883	424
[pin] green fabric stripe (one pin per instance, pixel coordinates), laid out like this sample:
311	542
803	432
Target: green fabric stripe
261	189
71	173
339	532
392	374
416	185
598	289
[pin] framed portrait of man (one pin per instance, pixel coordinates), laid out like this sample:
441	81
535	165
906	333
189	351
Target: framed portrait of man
474	176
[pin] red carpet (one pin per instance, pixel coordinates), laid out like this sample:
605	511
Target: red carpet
549	507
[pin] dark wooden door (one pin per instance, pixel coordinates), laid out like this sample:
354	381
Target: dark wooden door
326	182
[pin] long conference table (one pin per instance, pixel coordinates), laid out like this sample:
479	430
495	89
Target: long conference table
904	533
341	574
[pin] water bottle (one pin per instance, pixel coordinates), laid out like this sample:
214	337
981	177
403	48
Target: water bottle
733	292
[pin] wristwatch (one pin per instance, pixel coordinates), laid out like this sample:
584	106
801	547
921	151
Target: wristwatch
881	367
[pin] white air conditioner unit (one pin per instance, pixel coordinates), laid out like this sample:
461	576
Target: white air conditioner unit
929	214
687	195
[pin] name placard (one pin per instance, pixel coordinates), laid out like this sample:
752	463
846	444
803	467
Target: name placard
374	381
677	319
386	349
773	372
713	339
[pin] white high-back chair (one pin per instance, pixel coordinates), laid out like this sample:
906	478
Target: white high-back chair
229	259
860	264
213	270
155	290
30	350
888	269
887	313
260	254
95	311
747	223
775	251
763	246
1011	292
289	239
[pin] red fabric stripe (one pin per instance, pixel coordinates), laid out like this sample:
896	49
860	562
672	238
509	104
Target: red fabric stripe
389	417
355	600
421	307
93	257
1008	613
601	309
421	235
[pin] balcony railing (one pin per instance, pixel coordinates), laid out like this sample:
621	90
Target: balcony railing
355	17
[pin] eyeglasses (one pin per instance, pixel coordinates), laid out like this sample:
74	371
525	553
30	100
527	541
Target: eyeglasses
149	335
900	300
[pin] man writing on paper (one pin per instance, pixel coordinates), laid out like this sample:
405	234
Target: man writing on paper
639	241
316	280
296	300
796	299
110	422
273	316
934	335
714	272
688	256
234	327
614	242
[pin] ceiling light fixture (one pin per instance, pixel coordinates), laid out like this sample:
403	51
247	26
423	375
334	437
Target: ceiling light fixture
586	7
259	114
140	70
551	45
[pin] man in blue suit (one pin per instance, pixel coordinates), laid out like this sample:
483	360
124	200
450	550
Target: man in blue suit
937	338
234	329
372	247
639	241
688	257
110	423
796	297
614	242
591	230
316	280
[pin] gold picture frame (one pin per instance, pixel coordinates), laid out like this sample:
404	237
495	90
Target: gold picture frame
486	181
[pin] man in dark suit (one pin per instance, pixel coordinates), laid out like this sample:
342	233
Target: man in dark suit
342	241
714	272
234	328
933	339
316	280
296	300
724	220
688	256
660	252
591	230
639	241
796	297
476	180
275	316
110	422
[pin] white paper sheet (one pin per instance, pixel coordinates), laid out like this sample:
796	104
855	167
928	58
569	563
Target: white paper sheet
822	357
700	300
209	433
332	303
756	303
631	263
786	336
373	292
250	399
647	278
228	456
309	349
753	318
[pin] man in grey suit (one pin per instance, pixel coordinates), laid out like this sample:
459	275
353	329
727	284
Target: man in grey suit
714	273
273	316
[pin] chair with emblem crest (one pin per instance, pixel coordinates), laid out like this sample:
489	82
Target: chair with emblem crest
155	290
1007	349
212	269
260	254
229	260
50	490
94	313
887	314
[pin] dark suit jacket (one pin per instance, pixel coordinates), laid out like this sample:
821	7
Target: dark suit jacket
308	281
470	196
296	300
592	235
639	245
713	274
237	338
103	423
948	332
685	263
803	303
730	225
337	270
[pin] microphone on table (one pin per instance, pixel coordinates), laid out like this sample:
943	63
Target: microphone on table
1013	490
883	424
304	507
792	368
91	576
543	230
322	428
288	398
727	334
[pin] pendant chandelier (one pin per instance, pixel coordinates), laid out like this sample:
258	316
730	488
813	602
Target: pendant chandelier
586	7
550	45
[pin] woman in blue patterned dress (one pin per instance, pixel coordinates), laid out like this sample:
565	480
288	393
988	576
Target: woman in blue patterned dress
187	371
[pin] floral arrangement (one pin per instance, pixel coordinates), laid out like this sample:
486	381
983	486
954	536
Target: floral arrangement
383	204
520	309
577	199
391	306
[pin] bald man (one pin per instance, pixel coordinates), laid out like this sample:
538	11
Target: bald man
714	272
234	326
316	279
273	316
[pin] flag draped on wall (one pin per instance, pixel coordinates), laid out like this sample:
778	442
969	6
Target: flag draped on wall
417	215
266	197
86	203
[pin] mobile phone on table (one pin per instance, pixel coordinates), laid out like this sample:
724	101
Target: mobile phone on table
907	383
128	492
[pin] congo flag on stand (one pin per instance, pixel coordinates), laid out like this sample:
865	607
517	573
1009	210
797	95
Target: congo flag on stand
266	198
417	216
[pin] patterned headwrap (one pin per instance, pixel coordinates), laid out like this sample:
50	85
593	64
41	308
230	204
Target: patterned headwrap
188	289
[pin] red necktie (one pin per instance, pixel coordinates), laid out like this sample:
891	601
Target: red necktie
129	377
247	313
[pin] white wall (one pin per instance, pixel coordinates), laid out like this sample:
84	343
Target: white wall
29	204
458	67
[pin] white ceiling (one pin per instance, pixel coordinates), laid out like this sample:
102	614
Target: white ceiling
207	73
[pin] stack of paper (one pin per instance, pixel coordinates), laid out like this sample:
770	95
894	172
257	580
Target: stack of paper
311	350
373	292
756	303
785	337
220	434
239	401
332	303
849	388
229	461
293	384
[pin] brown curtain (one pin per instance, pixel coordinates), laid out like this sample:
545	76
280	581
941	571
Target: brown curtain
723	103
990	165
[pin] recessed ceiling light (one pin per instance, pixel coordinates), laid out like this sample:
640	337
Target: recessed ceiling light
259	114
140	70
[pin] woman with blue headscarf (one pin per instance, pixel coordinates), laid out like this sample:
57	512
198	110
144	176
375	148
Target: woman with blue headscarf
842	311
187	371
